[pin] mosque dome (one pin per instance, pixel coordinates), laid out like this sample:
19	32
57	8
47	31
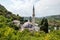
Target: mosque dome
27	25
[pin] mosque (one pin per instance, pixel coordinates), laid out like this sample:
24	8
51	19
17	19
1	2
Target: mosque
30	24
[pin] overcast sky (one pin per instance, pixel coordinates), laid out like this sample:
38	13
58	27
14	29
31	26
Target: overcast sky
24	7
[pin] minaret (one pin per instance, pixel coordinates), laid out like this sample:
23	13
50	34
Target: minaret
33	16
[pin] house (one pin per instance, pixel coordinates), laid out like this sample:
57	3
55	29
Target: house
57	28
8	15
16	22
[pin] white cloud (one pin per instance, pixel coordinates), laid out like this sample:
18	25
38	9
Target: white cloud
48	7
24	7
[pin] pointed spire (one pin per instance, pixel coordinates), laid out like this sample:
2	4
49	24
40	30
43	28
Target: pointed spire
33	11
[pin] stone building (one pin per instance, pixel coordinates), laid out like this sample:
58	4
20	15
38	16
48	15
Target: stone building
31	25
16	22
28	25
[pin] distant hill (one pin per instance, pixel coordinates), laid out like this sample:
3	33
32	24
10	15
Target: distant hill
56	17
54	20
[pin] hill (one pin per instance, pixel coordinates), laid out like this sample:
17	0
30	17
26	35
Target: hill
4	12
56	17
54	20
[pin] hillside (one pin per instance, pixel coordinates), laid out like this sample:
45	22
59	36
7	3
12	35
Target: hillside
56	17
4	12
54	20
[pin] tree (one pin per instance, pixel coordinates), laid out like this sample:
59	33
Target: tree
30	19
44	25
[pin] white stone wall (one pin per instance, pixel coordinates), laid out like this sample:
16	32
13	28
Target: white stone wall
55	28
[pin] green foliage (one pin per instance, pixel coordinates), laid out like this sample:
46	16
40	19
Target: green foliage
2	19
44	25
7	33
3	10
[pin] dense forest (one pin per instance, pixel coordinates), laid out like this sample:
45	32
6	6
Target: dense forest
8	32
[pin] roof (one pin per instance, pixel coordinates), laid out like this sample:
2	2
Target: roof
27	25
16	21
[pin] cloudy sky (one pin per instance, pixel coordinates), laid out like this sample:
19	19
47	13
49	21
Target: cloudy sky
24	7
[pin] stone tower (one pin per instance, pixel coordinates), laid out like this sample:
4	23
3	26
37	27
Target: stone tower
33	16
